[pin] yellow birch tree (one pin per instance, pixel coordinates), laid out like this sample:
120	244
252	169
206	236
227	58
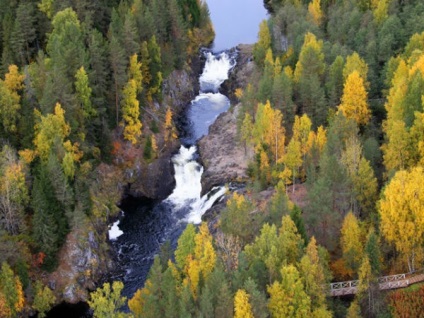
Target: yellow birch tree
242	307
402	214
354	100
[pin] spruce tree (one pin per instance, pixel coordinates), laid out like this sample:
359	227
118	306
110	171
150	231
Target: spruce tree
49	221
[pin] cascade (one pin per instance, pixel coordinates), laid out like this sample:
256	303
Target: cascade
137	238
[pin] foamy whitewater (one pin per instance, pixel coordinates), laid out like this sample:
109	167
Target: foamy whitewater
215	71
115	231
138	236
188	172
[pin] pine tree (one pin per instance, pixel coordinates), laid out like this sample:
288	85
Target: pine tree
118	59
98	73
155	70
67	54
130	34
312	48
83	94
7	57
49	221
334	84
296	216
279	204
257	299
84	91
282	97
24	32
373	251
224	307
266	82
307	76
365	186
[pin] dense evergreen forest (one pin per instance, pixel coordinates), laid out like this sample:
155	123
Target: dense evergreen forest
80	85
333	114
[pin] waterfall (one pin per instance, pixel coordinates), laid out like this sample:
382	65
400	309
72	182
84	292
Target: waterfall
215	71
138	236
203	111
186	195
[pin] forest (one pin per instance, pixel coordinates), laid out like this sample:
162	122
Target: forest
80	85
333	112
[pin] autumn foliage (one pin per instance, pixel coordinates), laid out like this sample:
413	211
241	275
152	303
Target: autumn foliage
407	303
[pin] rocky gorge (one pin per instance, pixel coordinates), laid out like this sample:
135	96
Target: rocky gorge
85	258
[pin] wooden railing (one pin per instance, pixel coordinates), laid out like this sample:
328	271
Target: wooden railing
384	283
344	288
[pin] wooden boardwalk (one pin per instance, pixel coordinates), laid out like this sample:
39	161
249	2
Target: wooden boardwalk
385	283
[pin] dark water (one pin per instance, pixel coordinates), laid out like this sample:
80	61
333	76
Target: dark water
235	21
148	225
65	310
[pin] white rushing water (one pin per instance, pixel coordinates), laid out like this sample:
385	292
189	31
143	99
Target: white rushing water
115	231
204	109
186	195
215	71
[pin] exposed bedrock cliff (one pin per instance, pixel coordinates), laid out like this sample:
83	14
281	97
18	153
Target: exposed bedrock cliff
241	73
224	158
156	180
84	258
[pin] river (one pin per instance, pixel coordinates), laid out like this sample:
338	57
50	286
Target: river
235	21
145	226
137	238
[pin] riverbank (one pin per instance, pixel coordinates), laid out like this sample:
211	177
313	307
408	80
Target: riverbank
86	259
225	159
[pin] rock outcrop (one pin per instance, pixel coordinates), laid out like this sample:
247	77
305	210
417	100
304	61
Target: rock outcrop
156	180
224	158
241	73
83	261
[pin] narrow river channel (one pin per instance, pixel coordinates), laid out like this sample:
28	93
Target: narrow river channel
137	238
145	226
